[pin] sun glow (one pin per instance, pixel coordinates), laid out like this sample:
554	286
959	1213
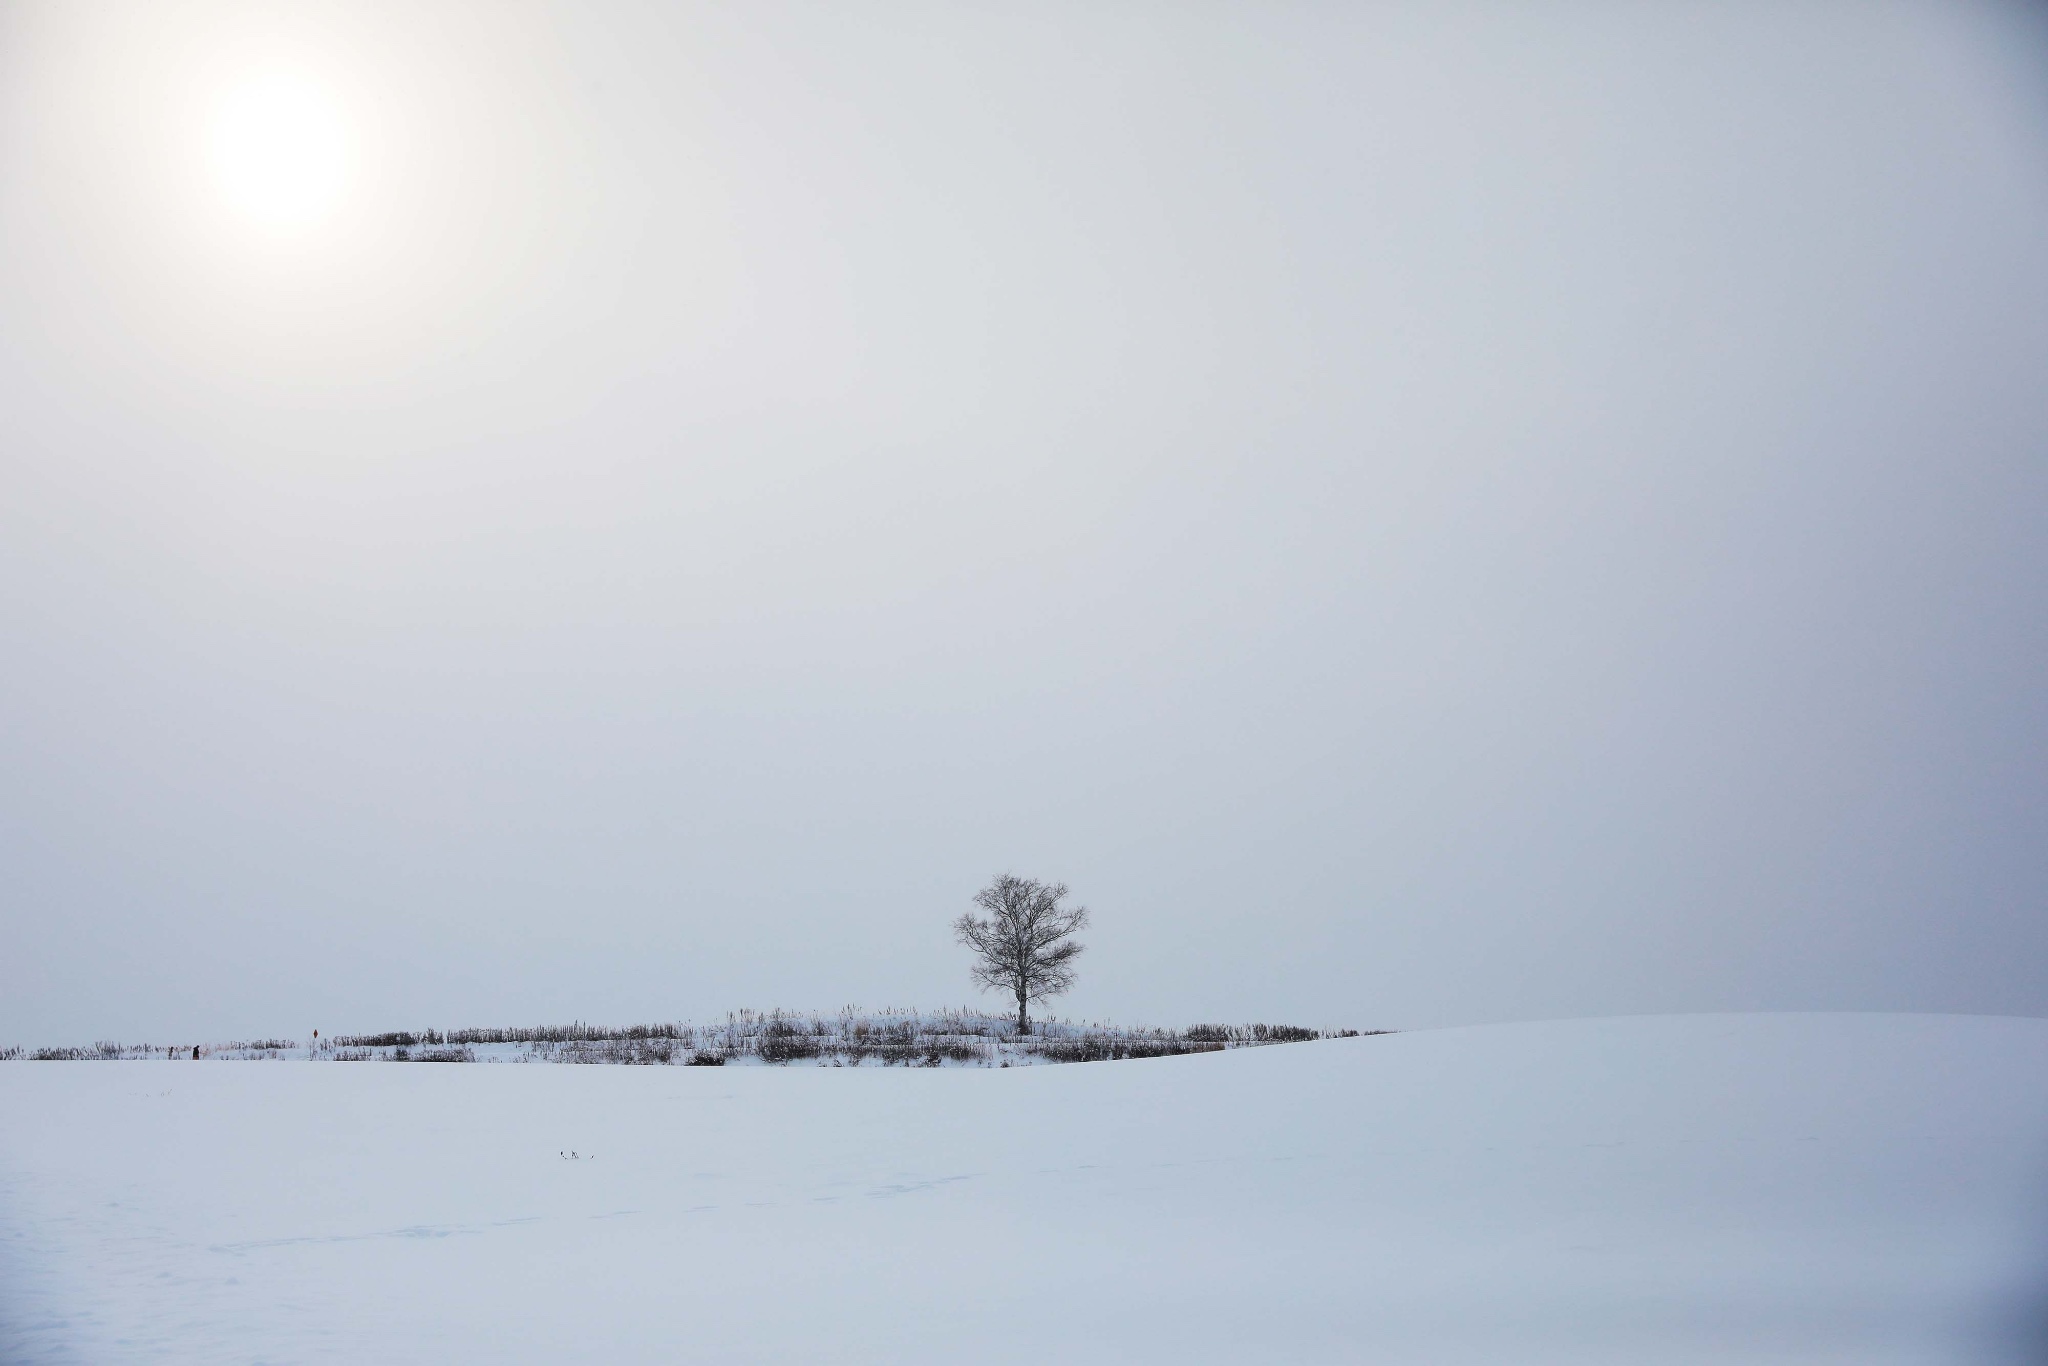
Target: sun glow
279	151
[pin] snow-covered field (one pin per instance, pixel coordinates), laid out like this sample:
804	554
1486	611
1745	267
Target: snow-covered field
1791	1188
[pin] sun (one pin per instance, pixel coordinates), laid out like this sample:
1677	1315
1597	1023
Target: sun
279	150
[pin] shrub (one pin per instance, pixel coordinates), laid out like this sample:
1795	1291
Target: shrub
1110	1049
569	1033
1169	1048
1282	1034
1073	1050
99	1052
472	1036
783	1042
644	1051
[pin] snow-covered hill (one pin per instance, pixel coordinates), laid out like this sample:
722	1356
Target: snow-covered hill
1793	1188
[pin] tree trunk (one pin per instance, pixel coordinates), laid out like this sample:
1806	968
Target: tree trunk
1023	1020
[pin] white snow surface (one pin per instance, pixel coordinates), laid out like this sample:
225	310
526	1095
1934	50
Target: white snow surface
1758	1188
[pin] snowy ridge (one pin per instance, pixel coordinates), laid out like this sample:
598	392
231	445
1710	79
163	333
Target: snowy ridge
848	1038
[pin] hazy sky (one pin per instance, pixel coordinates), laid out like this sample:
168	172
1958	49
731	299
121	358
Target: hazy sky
1420	513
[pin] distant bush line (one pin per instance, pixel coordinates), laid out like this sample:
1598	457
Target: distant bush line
850	1038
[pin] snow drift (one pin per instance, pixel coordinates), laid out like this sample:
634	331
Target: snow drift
1813	1188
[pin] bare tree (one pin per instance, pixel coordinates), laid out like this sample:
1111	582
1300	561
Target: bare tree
1024	945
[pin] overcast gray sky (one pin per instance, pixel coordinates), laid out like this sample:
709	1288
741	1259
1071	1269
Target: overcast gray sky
1420	514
